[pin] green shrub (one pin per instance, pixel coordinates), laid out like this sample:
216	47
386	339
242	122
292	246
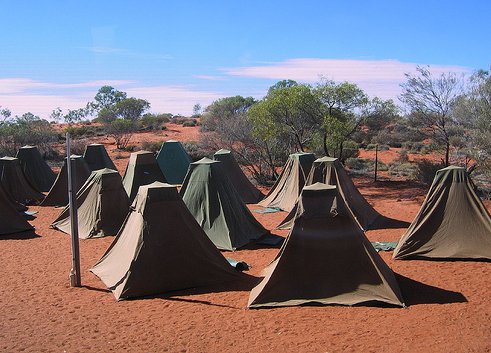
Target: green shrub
152	146
407	170
153	122
196	150
427	170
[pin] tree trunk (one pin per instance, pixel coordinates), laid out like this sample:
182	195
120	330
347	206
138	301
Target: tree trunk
324	140
447	152
341	151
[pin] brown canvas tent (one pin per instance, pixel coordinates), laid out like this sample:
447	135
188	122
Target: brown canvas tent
58	195
248	192
287	188
325	259
161	248
11	221
102	206
142	169
452	222
15	183
213	201
173	161
329	170
35	168
97	158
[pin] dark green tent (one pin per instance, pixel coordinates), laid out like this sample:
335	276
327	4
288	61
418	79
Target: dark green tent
35	168
142	169
325	259
452	223
11	221
102	206
215	204
97	158
248	192
287	188
58	195
329	170
15	183
161	248
174	161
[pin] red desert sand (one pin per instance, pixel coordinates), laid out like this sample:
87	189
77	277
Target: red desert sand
449	305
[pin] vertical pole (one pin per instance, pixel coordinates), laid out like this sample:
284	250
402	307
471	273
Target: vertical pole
75	280
376	161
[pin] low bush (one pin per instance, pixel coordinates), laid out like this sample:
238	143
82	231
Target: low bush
406	170
196	151
153	146
427	170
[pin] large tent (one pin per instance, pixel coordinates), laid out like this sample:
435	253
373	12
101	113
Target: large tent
325	259
58	195
11	221
329	170
102	205
248	192
452	223
287	188
15	183
174	161
213	201
161	248
142	169
97	158
35	168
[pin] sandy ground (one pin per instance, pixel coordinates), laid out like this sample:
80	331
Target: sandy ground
449	306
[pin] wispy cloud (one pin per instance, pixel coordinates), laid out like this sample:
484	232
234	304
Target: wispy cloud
104	50
23	85
210	78
377	77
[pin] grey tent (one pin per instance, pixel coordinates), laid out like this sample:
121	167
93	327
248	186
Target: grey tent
15	183
287	188
102	206
213	201
58	195
35	168
161	248
97	158
174	161
248	192
19	207
11	220
142	169
325	259
452	222
330	171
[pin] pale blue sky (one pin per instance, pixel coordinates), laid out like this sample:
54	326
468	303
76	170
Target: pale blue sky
178	53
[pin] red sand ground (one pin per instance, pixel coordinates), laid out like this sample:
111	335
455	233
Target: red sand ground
448	302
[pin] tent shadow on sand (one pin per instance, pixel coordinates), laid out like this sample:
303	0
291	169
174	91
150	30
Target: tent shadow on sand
415	293
30	234
383	222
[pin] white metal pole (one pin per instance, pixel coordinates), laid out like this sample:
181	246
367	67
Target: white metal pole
75	280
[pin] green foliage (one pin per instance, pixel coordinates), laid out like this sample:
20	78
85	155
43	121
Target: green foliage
223	109
131	108
154	122
152	146
84	131
196	151
106	98
407	170
427	170
121	130
359	166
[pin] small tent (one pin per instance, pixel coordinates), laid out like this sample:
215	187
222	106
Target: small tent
142	169
325	259
287	188
35	168
161	248
11	221
329	170
452	223
15	183
248	192
174	161
215	204
102	206
97	158
58	194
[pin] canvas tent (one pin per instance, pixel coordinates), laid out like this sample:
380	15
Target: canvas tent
452	222
213	201
329	170
102	205
35	168
15	183
142	169
97	158
287	188
325	259
11	221
161	248
173	161
58	194
247	192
